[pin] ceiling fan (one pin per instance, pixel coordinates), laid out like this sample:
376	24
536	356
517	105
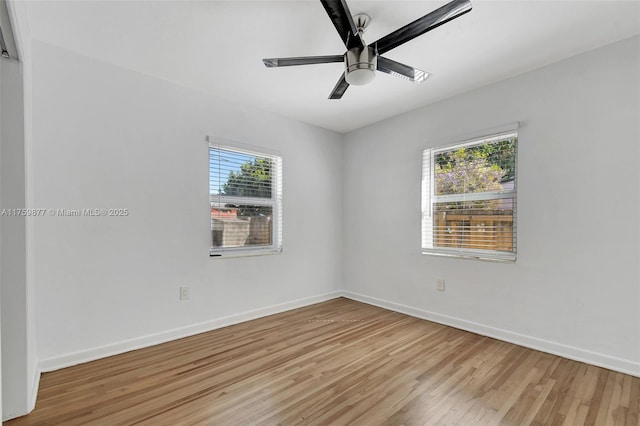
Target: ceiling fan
361	60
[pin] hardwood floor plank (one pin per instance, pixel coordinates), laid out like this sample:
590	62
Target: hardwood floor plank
335	363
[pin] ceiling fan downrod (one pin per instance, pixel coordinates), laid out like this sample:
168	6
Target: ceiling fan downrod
361	63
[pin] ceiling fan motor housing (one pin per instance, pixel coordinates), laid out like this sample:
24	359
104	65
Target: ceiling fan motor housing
361	65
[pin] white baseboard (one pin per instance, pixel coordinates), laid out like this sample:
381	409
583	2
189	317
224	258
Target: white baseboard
601	360
74	358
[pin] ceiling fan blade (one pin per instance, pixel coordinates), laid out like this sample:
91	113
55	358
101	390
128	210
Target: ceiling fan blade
303	60
401	70
340	88
420	26
339	14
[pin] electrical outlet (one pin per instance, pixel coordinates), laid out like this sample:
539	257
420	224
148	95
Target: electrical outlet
184	293
440	285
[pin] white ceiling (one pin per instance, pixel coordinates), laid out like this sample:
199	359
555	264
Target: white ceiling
217	47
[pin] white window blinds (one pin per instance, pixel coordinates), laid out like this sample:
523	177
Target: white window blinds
469	199
245	193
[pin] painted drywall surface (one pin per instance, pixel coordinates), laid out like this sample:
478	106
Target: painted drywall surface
105	137
16	358
21	32
1	204
576	279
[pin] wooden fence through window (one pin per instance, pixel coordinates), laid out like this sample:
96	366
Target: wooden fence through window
475	229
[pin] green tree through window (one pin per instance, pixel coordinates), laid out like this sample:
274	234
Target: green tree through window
252	180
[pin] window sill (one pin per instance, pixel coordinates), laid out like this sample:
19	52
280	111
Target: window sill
487	257
244	253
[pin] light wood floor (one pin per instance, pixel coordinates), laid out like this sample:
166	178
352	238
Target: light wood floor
336	363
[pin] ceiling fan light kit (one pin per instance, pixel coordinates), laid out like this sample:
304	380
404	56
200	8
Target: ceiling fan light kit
361	60
361	65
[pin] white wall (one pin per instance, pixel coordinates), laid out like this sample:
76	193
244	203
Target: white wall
106	137
574	289
19	361
1	204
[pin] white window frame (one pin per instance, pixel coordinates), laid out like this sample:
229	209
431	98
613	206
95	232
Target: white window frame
429	199
275	202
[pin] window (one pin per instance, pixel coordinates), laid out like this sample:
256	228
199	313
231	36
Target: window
245	193
469	198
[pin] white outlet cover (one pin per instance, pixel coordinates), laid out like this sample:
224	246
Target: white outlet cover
184	293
